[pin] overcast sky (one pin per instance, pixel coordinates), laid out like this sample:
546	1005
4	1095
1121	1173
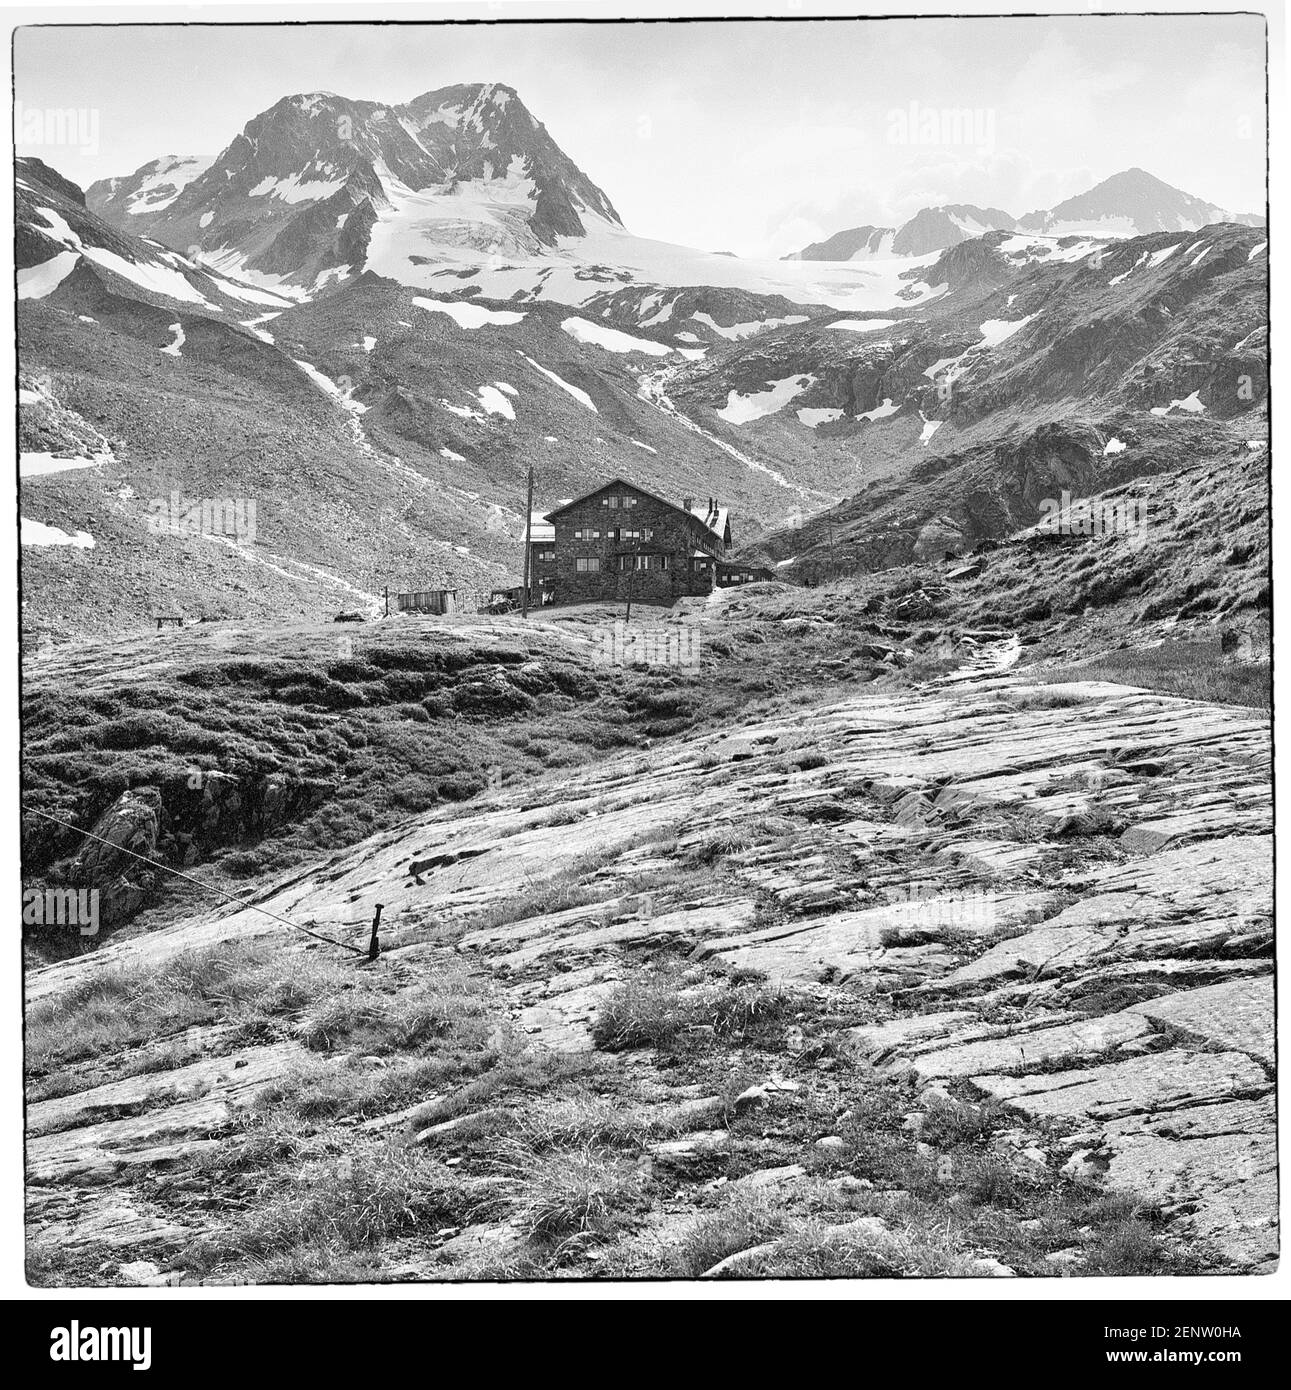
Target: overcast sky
750	137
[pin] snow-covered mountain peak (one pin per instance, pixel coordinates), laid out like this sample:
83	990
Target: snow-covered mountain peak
149	190
296	195
1130	203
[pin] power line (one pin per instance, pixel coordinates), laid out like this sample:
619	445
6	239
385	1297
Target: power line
188	878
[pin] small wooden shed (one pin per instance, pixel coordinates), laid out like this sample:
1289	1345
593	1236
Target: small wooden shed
440	601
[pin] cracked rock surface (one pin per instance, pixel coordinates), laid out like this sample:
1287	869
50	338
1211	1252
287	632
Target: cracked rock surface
1066	905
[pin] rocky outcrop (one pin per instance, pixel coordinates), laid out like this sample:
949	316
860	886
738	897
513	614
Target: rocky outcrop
107	864
1058	896
176	825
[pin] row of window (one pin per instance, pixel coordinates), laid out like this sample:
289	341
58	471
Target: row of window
621	533
613	501
591	564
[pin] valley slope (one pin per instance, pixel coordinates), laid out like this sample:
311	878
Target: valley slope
369	321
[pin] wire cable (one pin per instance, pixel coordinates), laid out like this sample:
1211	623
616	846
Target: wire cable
188	878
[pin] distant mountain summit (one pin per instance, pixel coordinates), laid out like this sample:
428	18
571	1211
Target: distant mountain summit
150	189
934	229
929	230
1131	203
297	194
855	244
64	249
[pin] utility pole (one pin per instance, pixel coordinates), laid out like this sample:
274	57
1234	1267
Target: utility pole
632	579
528	526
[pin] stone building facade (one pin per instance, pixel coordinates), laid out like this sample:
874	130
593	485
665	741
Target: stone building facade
621	541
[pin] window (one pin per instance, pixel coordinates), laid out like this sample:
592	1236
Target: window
586	533
546	554
647	533
630	501
626	534
665	562
587	564
613	500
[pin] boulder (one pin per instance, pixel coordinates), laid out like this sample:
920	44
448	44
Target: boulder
105	863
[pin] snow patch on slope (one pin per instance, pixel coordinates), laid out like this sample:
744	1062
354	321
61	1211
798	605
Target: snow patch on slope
39	280
579	395
467	315
495	403
35	465
863	325
737	331
295	190
1190	403
812	416
739	410
148	275
330	388
611	339
38	533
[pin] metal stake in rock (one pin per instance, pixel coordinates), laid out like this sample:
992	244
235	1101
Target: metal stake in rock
374	946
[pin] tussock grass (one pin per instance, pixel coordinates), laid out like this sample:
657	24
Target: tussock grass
723	842
949	1123
583	1121
819	1251
128	1004
925	668
370	1018
350	1203
515	1069
248	986
318	1092
261	1142
659	1008
570	1197
744	1220
1039	699
1192	670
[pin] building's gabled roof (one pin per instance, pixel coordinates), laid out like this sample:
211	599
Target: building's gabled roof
715	520
605	487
